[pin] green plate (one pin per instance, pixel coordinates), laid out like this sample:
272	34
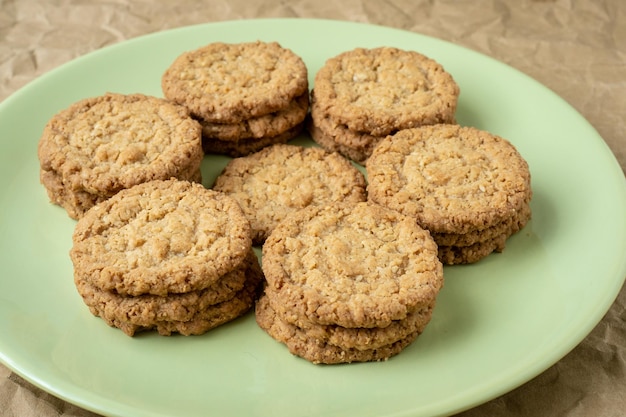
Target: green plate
498	323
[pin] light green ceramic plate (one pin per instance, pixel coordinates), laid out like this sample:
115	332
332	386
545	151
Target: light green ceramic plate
497	324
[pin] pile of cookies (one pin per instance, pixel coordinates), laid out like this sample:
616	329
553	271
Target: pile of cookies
469	188
363	95
99	146
166	255
352	266
246	96
348	282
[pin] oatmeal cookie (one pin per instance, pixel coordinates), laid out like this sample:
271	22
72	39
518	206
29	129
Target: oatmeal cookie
382	90
229	83
281	179
160	237
101	145
351	265
318	351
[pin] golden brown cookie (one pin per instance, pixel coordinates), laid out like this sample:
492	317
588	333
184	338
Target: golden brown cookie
246	146
351	265
281	179
267	125
203	319
229	83
471	189
101	145
382	90
160	237
316	350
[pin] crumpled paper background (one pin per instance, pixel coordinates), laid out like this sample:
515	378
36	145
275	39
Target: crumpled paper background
575	47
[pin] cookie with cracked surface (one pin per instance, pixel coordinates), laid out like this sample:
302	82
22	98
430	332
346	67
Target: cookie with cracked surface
382	90
232	82
318	351
451	179
147	309
281	179
350	264
202	320
160	237
101	145
362	338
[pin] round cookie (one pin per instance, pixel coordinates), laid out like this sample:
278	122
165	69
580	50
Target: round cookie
317	351
229	83
101	145
507	227
335	137
246	146
363	338
268	125
205	319
147	309
382	90
160	237
281	179
451	179
350	264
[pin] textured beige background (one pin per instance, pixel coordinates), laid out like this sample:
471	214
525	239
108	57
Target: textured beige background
575	47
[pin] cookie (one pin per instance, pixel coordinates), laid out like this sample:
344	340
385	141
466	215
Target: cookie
160	237
315	350
471	189
451	179
382	90
246	146
351	265
334	137
147	309
268	125
101	145
281	179
362	338
229	83
202	320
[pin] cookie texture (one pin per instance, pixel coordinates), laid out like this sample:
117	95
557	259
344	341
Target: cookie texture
101	145
268	125
281	179
246	146
229	83
352	265
160	237
317	350
383	90
471	189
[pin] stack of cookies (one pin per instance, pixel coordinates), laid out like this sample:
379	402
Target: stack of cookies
348	282
246	96
101	145
468	187
363	95
166	255
280	179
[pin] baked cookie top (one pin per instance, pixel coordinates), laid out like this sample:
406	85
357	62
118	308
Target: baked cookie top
382	90
452	179
280	179
107	143
160	237
350	264
228	83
